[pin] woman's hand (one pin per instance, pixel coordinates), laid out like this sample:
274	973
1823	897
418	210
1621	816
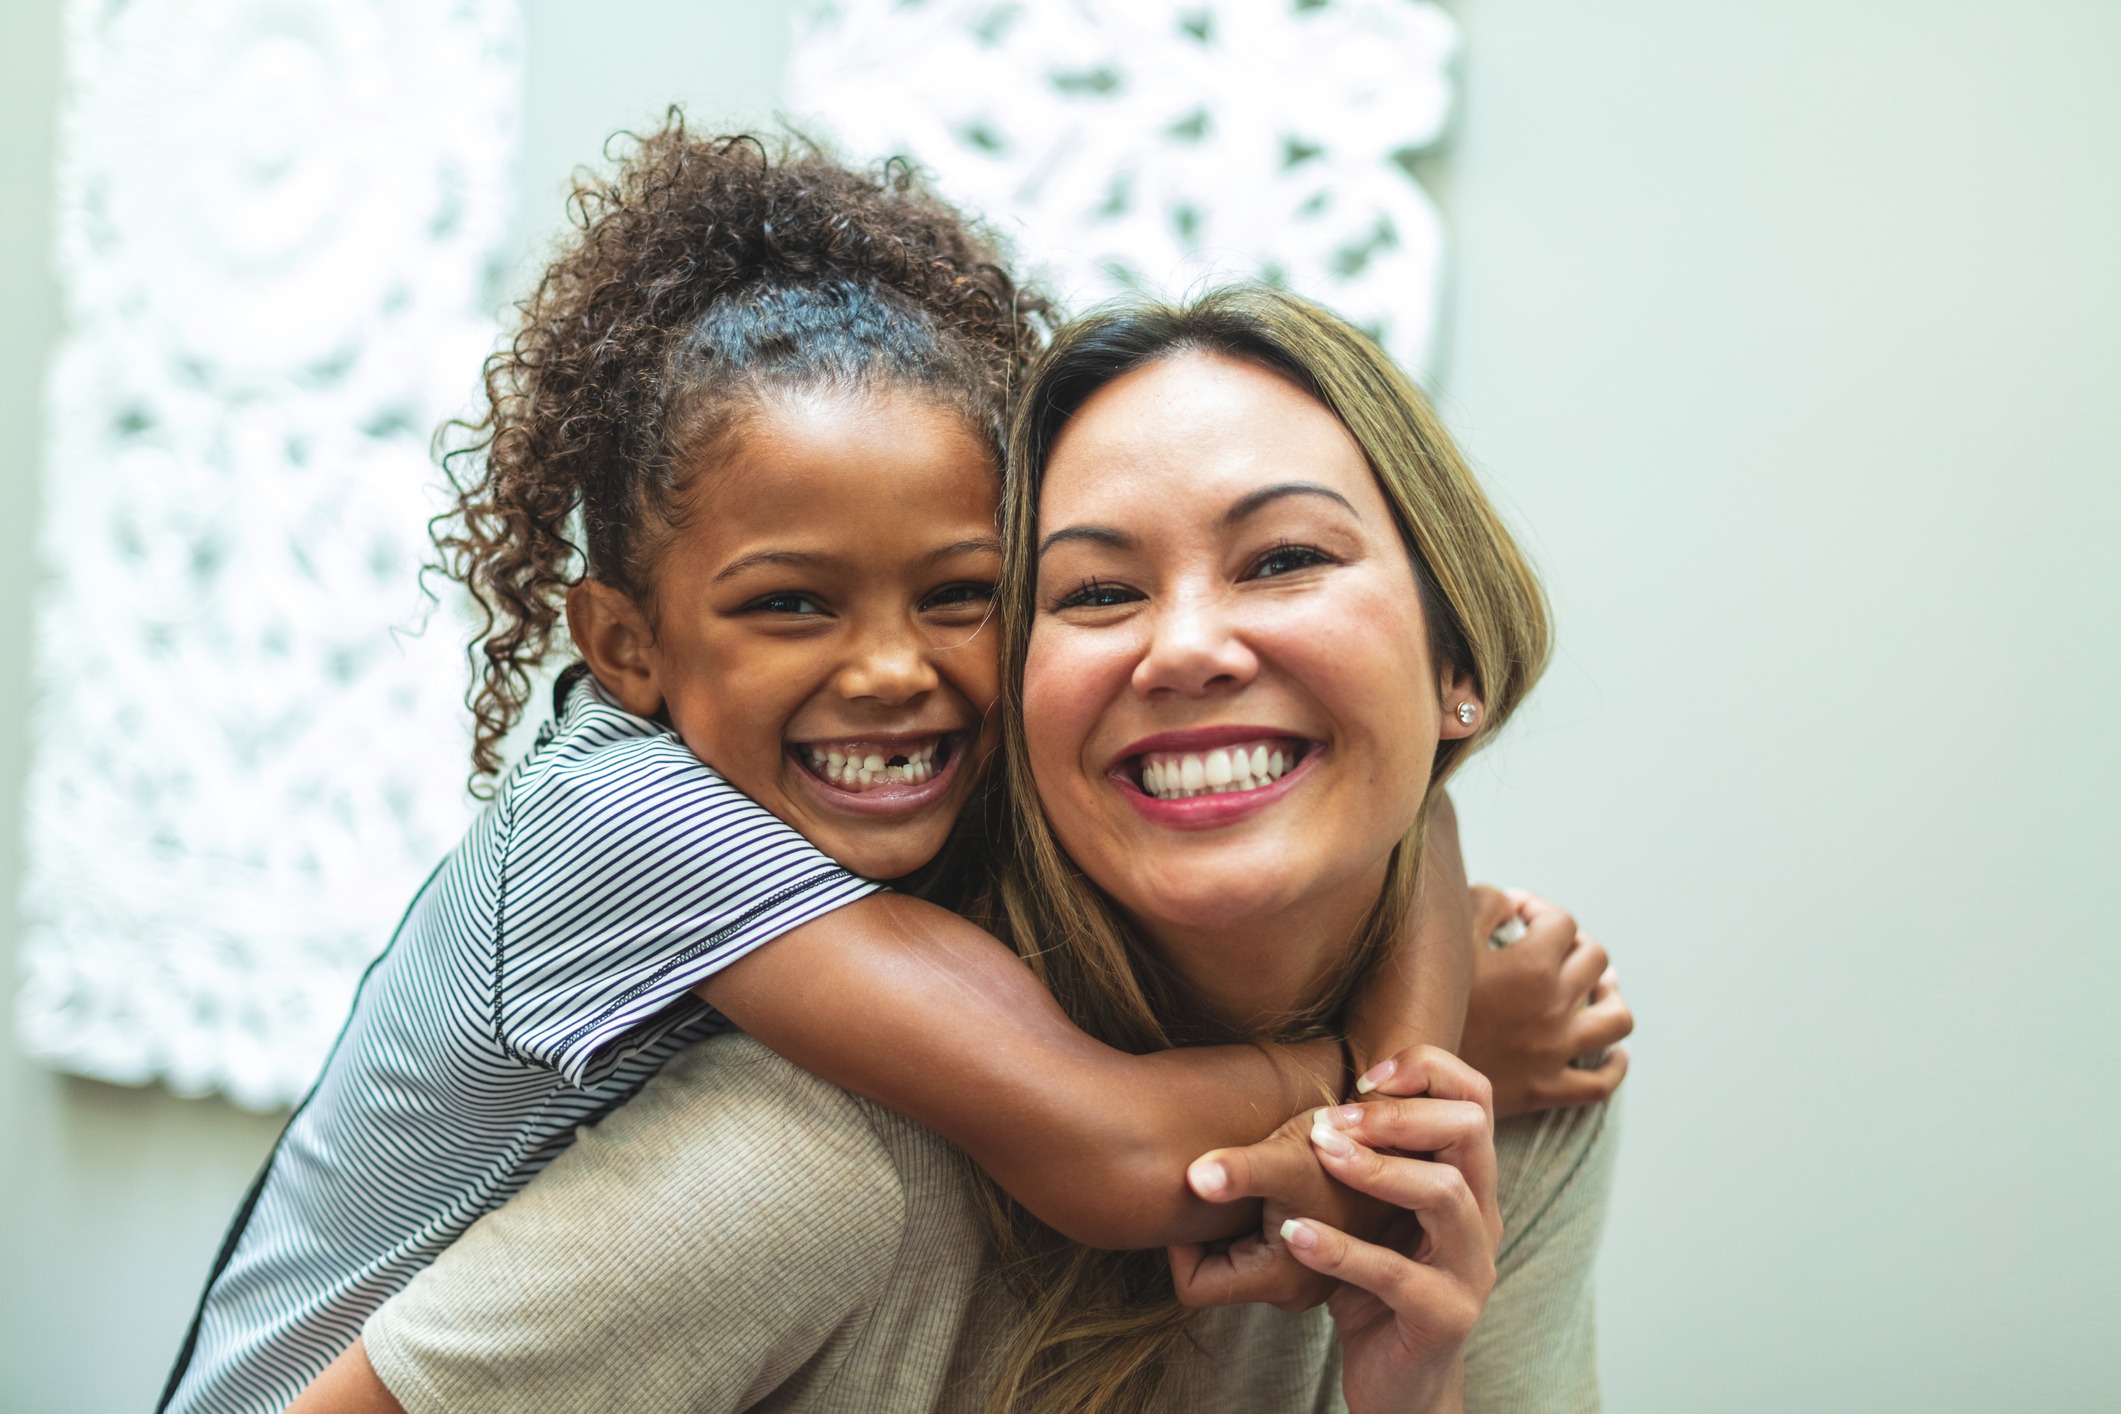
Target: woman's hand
1541	1007
1284	1172
1405	1304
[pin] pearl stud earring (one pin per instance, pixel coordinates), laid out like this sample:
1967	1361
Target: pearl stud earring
1467	712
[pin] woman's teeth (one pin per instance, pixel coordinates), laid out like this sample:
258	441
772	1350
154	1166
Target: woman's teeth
855	765
1176	775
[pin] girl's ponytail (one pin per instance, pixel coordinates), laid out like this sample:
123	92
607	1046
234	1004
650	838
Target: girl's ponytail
704	273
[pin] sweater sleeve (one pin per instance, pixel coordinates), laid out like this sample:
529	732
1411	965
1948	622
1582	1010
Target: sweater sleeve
713	1241
1535	1349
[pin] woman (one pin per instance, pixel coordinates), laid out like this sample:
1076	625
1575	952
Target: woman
1234	527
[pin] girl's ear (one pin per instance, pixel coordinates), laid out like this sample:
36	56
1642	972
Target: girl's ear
1459	697
613	637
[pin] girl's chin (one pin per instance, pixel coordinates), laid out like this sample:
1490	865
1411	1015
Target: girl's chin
880	860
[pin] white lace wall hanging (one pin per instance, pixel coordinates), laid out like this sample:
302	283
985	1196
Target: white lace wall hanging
277	225
1152	144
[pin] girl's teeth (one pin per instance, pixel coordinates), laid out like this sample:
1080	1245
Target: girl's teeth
856	767
1175	776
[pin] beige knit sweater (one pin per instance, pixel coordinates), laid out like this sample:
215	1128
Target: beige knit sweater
745	1236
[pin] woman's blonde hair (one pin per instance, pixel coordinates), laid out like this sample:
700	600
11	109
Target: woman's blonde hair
1098	1326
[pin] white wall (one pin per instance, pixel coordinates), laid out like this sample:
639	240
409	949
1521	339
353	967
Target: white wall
1789	330
1792	330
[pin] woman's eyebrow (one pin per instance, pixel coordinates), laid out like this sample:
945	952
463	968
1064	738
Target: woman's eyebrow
1095	534
1253	501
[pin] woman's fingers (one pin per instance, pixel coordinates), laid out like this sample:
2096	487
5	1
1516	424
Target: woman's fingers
1460	1135
1279	1166
1459	1233
1427	1070
1441	1306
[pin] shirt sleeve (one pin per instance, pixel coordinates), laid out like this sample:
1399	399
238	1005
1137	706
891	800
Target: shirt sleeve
1535	1348
719	1238
626	879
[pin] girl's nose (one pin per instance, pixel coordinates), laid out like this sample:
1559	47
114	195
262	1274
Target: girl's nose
1193	650
889	668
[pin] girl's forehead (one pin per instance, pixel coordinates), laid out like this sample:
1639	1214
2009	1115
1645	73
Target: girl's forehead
829	451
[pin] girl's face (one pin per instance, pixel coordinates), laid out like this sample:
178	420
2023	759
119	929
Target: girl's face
1229	703
822	630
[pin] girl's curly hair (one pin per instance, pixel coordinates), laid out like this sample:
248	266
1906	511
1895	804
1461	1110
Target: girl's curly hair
704	274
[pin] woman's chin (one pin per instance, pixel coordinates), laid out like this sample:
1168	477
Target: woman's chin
1209	899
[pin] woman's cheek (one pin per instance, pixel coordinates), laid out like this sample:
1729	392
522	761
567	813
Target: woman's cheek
1066	691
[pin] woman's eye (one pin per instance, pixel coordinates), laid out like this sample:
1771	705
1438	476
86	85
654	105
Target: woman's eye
787	603
1287	559
952	596
1096	594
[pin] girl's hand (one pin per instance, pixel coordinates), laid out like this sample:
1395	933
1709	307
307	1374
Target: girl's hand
1405	1306
1543	1007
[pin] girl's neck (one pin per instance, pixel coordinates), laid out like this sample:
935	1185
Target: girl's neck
1251	975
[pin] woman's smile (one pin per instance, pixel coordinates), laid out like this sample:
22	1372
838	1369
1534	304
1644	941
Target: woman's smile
1208	777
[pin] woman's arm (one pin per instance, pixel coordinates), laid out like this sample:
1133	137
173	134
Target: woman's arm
913	1007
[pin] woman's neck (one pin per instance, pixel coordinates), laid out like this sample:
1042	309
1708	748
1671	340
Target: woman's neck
1252	974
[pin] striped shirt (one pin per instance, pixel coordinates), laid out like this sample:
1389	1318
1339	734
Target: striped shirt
541	977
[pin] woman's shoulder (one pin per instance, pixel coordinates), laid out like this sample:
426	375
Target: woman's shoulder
1535	1350
1554	1172
730	1113
735	1224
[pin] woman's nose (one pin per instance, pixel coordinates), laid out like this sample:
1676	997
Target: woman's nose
889	668
1193	650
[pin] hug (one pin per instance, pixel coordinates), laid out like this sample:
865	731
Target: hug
982	928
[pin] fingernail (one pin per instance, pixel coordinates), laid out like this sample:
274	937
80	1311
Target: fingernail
1209	1178
1375	1076
1326	1137
1346	1117
1297	1235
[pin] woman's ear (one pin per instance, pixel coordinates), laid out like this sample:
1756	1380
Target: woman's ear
1459	696
613	637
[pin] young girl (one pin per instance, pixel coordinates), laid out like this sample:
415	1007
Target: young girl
749	432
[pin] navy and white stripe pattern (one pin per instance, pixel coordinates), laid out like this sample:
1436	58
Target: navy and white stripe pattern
540	978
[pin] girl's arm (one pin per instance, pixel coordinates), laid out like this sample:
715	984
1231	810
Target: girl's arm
913	1007
1547	1016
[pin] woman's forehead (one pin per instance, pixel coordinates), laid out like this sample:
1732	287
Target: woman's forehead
1203	427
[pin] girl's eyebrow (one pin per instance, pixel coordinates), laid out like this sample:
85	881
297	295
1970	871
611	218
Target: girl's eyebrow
1095	534
796	558
979	545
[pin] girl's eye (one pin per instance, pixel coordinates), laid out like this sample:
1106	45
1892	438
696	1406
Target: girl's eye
786	603
1096	594
1287	559
952	596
